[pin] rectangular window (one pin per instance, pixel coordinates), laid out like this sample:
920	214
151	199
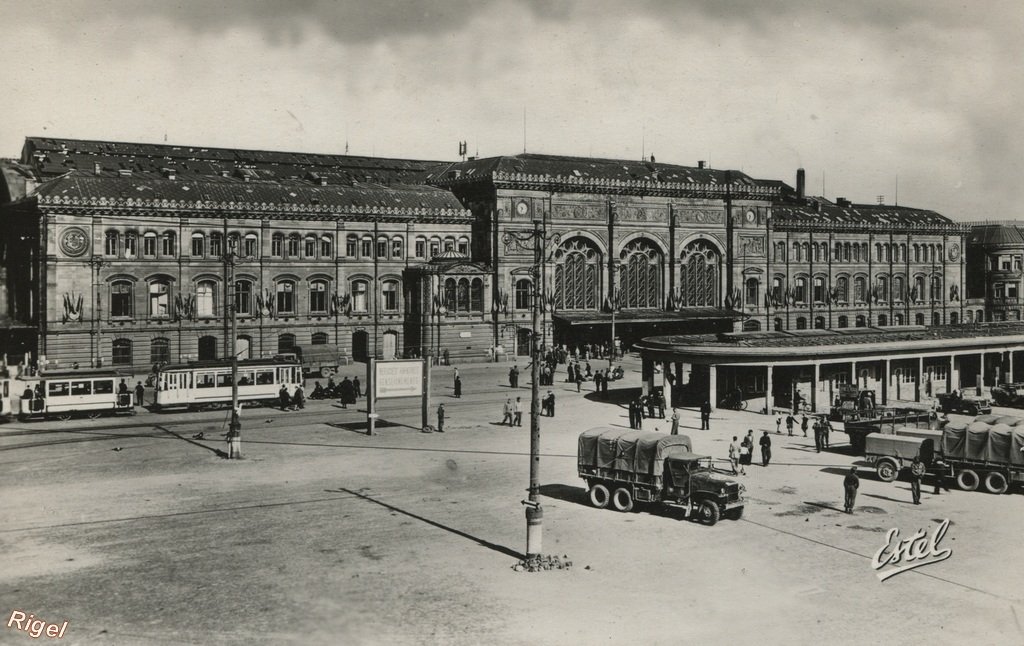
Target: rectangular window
359	296
285	298
382	248
250	246
326	247
396	248
198	246
999	290
310	247
224	380
167	244
421	248
318	297
205	380
215	245
390	297
149	245
159	300
1011	290
350	246
464	247
367	250
57	389
435	248
81	387
103	387
121	299
1005	262
264	377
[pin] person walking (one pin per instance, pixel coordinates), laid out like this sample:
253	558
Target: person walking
455	375
916	469
458	387
551	404
850	485
803	424
734	458
440	418
507	412
346	392
283	399
705	416
826	428
357	390
570	373
790	420
675	422
517	412
579	381
651	400
140	392
778	425
299	398
766	449
941	469
747	448
819	434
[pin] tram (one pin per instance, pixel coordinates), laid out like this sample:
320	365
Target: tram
64	395
207	384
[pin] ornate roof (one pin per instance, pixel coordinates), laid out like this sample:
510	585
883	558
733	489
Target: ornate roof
996	234
817	212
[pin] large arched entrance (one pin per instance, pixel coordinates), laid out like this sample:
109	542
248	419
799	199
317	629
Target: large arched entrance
699	275
577	275
639	284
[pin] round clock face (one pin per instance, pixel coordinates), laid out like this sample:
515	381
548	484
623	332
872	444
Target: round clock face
522	208
751	217
74	242
954	251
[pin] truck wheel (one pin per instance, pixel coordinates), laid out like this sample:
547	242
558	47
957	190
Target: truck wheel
599	496
708	512
622	499
967	480
887	470
995	482
326	372
734	514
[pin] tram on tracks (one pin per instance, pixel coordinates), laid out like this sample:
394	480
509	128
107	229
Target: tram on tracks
206	385
63	395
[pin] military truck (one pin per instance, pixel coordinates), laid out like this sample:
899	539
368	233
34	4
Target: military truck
955	402
890	453
1010	395
623	467
886	421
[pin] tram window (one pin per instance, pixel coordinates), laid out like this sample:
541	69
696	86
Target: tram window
204	380
57	388
264	377
103	387
245	378
81	387
224	379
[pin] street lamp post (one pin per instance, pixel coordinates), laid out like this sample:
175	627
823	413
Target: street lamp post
231	258
534	512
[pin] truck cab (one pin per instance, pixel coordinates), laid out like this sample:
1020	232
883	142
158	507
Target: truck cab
955	402
691	480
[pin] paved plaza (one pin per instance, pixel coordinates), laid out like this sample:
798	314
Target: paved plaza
136	531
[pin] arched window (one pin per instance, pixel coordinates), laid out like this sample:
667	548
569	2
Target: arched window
121	299
359	296
326	246
462	295
168	245
463	246
309	246
450	289
216	244
243	297
148	244
837	254
861	321
954	318
285	297
843	289
796	251
159	299
860	289
917	294
805	249
318	297
159	350
389	296
640	275
777	324
917	253
898	289
110	243
421	247
936	318
366	247
449	244
476	295
819	322
396	248
883	320
969	317
577	271
293	245
980	318
251	245
233	243
198	245
818	289
382	247
800	290
824	251
206	298
122	352
897	319
778	289
277	245
878	252
286	343
936	289
846	252
131	244
351	245
801	323
435	247
700	267
319	338
843	322
523	294
752	293
882	288
780	252
919	319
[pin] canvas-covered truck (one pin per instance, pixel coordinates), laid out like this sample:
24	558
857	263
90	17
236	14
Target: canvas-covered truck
986	454
622	467
891	453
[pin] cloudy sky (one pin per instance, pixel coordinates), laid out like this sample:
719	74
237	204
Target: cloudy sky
858	93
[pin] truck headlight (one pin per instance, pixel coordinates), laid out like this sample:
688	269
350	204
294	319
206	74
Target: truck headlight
743	488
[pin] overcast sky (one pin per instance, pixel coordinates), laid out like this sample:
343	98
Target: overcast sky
858	93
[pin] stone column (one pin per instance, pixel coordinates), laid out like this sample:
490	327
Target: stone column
814	387
713	385
646	376
1009	373
949	375
769	401
918	379
666	385
885	382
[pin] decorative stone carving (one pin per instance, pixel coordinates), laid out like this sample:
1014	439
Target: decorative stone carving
642	214
577	212
700	216
185	307
74	242
752	246
72	308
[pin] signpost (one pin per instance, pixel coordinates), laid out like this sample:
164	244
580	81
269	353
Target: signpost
387	379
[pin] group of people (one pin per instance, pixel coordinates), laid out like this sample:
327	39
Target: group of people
821	426
513	412
346	392
741	455
293	401
652	406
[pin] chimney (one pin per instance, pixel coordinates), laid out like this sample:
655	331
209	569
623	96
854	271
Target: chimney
842	201
97	168
702	164
801	183
169	173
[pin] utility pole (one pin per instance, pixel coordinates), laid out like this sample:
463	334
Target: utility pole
231	258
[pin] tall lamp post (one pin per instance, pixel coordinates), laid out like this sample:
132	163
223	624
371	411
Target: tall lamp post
231	258
534	512
614	305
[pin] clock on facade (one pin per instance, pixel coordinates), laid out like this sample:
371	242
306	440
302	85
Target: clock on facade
522	208
751	217
74	242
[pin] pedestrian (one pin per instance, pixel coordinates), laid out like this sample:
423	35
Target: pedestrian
458	386
551	403
789	424
766	449
357	390
651	400
346	393
746	449
140	392
675	422
283	397
636	414
778	425
570	374
850	485
455	375
819	434
941	468
299	398
579	381
734	457
507	412
916	469
440	418
661	405
122	388
705	416
803	424
517	411
515	376
597	382
826	428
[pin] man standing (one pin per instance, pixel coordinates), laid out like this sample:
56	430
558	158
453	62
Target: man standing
140	390
357	390
916	469
766	449
507	412
651	399
826	428
517	412
705	416
819	434
940	476
734	457
675	423
551	404
789	424
803	424
346	392
850	485
579	380
597	382
440	418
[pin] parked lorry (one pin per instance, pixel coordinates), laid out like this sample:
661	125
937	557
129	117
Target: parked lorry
1011	395
890	453
955	402
622	467
860	417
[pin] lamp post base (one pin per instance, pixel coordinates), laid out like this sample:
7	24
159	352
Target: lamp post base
534	530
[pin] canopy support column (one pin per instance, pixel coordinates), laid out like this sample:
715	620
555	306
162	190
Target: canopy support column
769	399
